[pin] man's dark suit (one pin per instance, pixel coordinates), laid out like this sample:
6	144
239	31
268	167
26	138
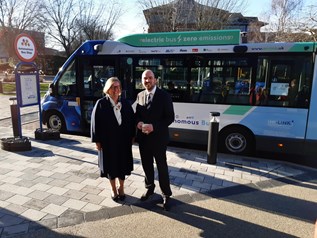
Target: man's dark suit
160	115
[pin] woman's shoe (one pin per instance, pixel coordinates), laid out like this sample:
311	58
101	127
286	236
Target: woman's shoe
115	198
122	197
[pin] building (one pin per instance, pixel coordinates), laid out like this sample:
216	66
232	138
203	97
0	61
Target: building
188	15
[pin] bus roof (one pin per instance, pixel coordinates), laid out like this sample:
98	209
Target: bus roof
195	42
186	38
118	48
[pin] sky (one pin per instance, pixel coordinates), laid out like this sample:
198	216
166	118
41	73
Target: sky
133	21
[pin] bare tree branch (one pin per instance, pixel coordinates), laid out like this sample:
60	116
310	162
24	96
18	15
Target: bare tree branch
283	19
71	22
93	21
189	15
16	17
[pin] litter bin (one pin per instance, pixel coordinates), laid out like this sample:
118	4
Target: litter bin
213	138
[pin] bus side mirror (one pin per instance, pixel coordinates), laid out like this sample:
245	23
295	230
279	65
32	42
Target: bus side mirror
51	89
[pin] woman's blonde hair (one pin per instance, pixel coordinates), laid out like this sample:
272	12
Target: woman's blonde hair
109	83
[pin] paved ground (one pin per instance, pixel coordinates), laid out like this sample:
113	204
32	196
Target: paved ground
237	215
54	190
5	108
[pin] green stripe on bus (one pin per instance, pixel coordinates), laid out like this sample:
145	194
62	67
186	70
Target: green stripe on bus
215	37
237	110
302	47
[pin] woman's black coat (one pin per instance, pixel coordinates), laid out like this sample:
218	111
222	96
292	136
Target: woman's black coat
115	159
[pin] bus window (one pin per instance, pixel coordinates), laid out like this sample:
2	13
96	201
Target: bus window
126	77
173	70
174	79
95	78
142	64
242	85
258	92
138	77
304	84
167	71
280	75
67	83
149	62
282	82
199	76
228	81
93	75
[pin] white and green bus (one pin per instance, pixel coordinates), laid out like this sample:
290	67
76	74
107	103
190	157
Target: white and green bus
266	93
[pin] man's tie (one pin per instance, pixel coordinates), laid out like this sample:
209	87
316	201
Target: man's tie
149	100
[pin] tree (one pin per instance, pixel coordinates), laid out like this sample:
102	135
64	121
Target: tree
91	22
285	12
283	21
19	15
59	22
16	17
69	23
164	15
308	23
161	13
218	13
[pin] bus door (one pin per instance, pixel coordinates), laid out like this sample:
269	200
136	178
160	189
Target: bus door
93	74
126	77
200	83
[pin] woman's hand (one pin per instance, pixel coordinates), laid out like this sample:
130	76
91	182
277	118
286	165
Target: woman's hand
139	125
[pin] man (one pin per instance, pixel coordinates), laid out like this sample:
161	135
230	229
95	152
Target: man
154	113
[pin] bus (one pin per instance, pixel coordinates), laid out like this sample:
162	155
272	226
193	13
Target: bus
266	93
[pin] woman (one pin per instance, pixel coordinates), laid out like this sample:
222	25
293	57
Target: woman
113	131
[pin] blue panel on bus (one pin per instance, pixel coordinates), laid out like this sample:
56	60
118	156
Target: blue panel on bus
277	122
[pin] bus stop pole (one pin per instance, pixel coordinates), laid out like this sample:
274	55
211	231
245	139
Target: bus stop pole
213	138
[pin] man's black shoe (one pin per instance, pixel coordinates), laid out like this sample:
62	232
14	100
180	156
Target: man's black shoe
147	194
166	203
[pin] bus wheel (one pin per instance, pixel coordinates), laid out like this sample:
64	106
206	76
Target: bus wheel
236	140
56	121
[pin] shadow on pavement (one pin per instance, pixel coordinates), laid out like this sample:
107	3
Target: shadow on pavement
251	196
27	228
215	224
212	224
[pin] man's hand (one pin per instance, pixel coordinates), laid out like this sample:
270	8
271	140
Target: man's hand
147	128
98	145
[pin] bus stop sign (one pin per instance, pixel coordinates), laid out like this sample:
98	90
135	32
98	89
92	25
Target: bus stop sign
25	48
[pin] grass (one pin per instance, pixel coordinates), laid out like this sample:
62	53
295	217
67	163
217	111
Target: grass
9	88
